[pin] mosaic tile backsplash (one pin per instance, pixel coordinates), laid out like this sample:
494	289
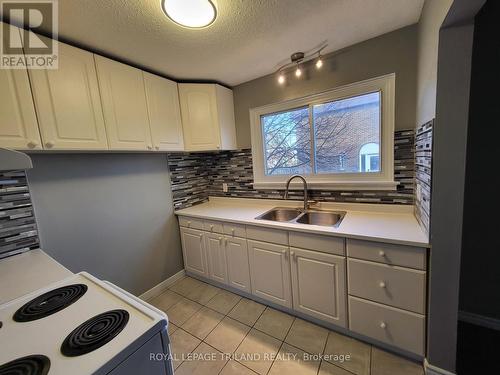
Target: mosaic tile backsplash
18	230
423	174
196	176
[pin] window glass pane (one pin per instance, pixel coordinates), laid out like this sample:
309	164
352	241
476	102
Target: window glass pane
287	142
347	135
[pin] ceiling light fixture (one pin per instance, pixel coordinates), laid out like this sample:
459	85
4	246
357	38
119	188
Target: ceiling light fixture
194	14
299	58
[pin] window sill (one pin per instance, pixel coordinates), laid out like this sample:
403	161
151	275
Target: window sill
317	185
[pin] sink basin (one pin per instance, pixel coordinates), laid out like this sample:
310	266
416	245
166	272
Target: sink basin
280	214
324	218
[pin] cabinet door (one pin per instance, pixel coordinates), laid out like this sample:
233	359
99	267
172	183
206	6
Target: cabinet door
164	113
238	271
199	116
216	257
68	103
193	250
18	123
124	105
318	284
270	272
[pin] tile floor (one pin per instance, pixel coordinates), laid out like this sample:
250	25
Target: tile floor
206	322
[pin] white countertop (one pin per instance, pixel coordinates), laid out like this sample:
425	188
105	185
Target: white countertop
374	222
23	273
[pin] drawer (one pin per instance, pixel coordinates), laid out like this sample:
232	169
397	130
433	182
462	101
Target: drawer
390	285
213	226
326	244
190	222
397	255
235	230
395	327
267	235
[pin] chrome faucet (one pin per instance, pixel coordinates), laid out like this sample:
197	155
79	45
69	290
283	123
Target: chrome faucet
306	202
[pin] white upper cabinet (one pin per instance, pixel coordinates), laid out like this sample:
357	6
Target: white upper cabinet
68	103
18	122
124	105
164	113
207	117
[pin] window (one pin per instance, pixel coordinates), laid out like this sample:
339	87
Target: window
342	138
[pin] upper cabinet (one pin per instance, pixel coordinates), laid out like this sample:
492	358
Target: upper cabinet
68	102
164	113
124	105
207	117
18	123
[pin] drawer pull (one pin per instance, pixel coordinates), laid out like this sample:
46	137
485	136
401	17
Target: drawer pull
381	284
381	253
383	325
189	223
211	227
232	231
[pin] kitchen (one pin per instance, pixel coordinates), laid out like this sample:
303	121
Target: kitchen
295	208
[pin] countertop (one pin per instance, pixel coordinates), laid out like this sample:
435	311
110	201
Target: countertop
375	222
23	273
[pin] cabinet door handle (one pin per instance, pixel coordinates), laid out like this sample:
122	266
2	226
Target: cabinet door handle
201	237
189	223
157	147
32	144
283	251
383	325
212	227
292	253
381	253
150	147
381	284
49	144
232	231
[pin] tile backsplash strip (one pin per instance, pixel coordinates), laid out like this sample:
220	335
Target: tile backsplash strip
196	176
18	230
423	174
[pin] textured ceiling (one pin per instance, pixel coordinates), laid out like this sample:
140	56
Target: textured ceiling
248	39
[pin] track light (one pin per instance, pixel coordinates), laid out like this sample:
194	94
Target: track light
319	62
281	78
298	71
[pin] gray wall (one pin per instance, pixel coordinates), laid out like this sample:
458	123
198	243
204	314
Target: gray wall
108	214
433	14
392	52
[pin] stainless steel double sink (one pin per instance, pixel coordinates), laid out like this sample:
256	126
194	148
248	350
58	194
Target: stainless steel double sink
311	216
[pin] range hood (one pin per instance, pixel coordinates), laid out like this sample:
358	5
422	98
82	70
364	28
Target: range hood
14	160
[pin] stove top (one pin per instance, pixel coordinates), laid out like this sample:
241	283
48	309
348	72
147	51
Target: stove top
79	325
94	333
29	365
49	303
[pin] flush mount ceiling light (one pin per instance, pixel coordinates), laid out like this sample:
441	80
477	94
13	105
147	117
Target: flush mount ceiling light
299	58
194	14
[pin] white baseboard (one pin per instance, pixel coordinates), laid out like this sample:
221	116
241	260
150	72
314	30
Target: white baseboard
479	320
161	287
433	370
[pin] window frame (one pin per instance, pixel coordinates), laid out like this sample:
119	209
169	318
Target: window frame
383	180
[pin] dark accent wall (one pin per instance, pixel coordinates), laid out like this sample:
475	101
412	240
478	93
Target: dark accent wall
18	230
108	214
196	176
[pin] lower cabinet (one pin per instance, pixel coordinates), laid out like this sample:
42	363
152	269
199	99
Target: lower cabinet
193	251
216	257
270	272
318	285
238	271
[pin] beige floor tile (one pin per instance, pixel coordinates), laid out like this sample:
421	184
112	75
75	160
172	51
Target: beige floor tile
186	286
227	335
384	363
182	311
307	336
182	343
293	361
329	369
172	328
247	311
205	361
223	302
202	322
257	351
166	300
203	293
274	323
235	368
359	352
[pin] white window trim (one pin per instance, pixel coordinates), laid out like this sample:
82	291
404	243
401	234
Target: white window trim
383	180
